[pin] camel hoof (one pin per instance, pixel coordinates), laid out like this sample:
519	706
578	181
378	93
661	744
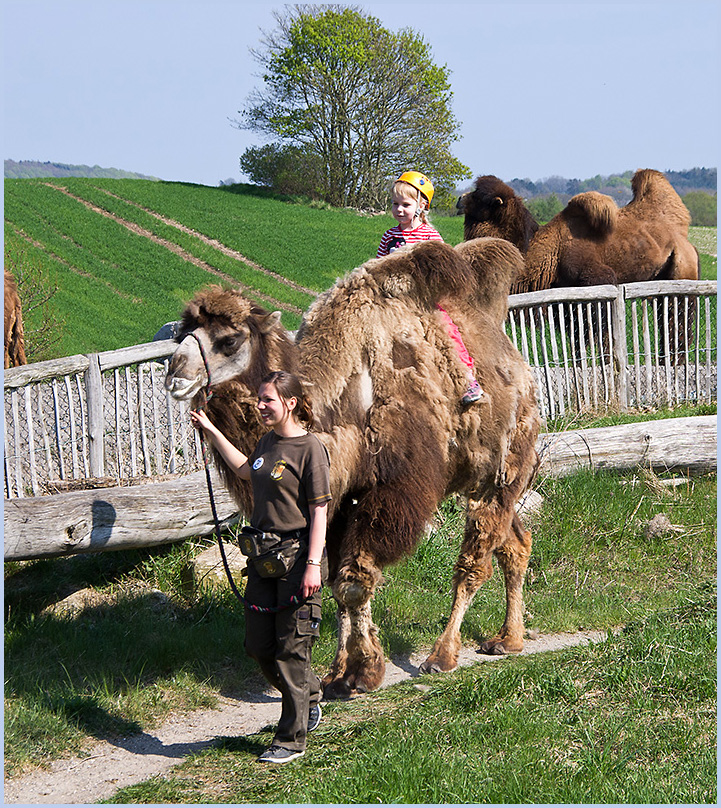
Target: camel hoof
432	665
501	646
492	648
337	689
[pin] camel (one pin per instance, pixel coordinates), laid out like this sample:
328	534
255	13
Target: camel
14	333
386	384
591	241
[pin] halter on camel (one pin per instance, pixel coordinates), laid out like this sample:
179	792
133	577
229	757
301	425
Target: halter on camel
294	599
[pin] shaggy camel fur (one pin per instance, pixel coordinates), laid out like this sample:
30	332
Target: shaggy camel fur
591	241
14	333
386	384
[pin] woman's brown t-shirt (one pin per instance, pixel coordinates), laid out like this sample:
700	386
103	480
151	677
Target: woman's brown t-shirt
288	475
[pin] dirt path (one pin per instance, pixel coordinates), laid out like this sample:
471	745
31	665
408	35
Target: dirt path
108	766
186	256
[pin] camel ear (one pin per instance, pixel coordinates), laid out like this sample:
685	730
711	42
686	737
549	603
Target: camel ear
269	322
498	202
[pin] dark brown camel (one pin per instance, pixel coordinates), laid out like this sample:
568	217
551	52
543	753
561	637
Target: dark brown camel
14	333
386	384
591	241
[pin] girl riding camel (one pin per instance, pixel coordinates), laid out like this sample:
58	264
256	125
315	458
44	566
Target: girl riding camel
412	193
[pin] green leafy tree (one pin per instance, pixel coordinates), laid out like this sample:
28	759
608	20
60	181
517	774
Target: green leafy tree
363	102
285	169
544	208
702	207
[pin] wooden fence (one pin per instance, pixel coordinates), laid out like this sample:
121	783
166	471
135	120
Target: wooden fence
638	345
102	417
106	419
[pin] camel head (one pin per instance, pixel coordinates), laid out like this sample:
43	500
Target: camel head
239	340
493	209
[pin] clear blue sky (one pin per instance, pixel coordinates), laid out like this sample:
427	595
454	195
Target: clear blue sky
541	89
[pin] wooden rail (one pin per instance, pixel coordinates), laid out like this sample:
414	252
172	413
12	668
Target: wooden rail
121	518
637	345
106	418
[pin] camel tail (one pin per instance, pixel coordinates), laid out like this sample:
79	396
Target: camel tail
20	357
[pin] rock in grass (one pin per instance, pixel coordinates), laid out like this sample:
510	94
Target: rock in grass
208	570
661	526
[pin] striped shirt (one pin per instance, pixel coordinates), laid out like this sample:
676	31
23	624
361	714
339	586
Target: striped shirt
395	237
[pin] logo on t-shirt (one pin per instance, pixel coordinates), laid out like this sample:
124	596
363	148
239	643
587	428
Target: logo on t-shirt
395	243
277	473
258	463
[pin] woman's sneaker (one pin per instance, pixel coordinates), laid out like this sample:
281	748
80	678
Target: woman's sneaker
279	754
314	717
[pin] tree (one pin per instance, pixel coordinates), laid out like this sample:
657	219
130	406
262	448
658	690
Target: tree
702	208
285	169
544	208
365	102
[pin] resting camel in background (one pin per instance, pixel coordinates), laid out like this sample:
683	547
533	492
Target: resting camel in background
592	241
386	384
14	333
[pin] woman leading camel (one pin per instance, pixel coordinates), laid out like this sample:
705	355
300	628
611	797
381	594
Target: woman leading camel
289	474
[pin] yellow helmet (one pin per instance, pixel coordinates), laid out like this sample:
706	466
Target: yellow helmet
420	182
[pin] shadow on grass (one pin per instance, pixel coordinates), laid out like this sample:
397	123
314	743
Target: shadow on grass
133	652
245	189
243	743
86	714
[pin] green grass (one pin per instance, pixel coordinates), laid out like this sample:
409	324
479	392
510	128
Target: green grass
615	417
119	667
131	286
610	723
705	241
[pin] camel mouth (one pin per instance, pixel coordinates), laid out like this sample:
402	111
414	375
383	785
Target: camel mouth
183	389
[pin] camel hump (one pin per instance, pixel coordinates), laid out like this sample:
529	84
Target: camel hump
652	191
647	181
598	211
496	263
434	267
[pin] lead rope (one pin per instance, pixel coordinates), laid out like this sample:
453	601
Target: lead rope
294	599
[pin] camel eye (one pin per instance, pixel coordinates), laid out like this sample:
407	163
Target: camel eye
228	345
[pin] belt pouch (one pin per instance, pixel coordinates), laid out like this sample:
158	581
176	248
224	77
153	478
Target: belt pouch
271	556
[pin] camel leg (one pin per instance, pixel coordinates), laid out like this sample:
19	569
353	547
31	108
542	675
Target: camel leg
472	569
359	665
513	559
490	529
340	663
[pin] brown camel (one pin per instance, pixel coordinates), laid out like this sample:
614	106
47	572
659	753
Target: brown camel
386	384
14	333
591	241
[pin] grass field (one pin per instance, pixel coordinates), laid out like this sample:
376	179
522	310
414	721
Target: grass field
616	722
133	252
613	723
150	646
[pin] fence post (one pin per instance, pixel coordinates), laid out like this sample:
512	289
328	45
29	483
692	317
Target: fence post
96	419
620	347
